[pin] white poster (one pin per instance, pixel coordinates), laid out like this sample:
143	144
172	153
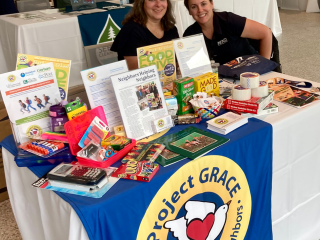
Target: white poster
100	90
192	55
140	100
28	94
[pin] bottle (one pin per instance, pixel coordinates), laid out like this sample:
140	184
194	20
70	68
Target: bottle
214	66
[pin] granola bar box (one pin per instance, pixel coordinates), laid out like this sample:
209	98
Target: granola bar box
184	90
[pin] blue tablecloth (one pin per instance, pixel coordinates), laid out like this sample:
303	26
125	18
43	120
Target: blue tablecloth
118	214
101	27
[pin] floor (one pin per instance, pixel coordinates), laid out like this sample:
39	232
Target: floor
299	55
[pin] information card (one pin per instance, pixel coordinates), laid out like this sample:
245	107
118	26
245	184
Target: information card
140	100
192	55
100	90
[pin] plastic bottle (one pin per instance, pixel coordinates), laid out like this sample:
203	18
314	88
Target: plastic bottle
214	66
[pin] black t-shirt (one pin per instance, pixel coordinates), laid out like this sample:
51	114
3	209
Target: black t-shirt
227	43
132	36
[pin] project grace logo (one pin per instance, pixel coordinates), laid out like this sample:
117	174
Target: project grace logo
11	78
221	121
23	59
91	76
161	123
34	130
206	199
180	45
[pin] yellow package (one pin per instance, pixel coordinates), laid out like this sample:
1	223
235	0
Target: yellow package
77	112
208	83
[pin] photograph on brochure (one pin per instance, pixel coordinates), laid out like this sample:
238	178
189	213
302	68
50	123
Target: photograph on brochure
140	99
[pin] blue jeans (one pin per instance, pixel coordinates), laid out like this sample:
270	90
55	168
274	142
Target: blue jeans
40	105
29	106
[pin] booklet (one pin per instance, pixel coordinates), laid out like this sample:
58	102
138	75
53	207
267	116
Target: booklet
27	95
193	142
162	55
167	157
100	90
192	55
294	96
140	99
226	123
61	67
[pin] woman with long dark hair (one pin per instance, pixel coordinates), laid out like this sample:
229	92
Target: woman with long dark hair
149	22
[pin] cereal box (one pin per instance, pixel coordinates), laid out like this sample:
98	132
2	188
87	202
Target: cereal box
208	83
184	90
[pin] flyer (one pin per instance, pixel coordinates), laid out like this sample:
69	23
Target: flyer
27	95
192	55
162	55
137	108
100	90
61	67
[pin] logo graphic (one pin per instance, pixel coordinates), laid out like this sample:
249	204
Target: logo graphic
141	51
11	78
221	121
223	41
109	32
161	123
23	59
180	45
22	75
206	199
33	131
91	76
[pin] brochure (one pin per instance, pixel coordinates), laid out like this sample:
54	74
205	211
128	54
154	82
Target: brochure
193	142
162	55
61	67
269	109
27	95
294	96
137	108
192	55
100	90
226	123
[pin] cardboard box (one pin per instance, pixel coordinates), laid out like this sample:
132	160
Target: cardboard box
5	131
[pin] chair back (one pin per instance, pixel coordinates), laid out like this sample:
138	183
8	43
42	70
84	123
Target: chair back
275	54
100	54
32	5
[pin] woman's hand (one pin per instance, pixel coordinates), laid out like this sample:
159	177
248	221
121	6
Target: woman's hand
258	31
132	62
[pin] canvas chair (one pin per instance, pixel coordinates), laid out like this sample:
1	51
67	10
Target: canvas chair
32	5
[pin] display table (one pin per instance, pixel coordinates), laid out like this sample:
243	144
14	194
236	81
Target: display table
41	214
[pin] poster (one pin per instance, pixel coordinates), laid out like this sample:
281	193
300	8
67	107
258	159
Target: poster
61	67
137	108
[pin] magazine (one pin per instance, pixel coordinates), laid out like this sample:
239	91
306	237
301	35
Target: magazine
137	107
61	67
193	142
294	96
162	55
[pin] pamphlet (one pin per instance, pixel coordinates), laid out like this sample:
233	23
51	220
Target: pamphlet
269	109
140	99
294	96
61	67
192	55
27	95
100	90
226	123
193	142
162	55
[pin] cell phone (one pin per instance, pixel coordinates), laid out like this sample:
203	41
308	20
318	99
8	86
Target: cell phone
76	174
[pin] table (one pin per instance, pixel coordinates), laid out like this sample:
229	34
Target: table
295	191
313	6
